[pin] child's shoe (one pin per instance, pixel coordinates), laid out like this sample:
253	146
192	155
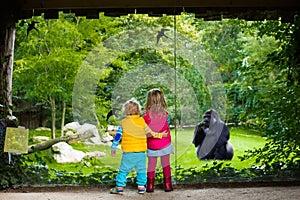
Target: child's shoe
117	190
141	189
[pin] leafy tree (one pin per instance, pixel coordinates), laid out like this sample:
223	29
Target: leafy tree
47	60
222	41
279	107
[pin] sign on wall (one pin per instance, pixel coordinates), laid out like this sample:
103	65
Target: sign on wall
16	140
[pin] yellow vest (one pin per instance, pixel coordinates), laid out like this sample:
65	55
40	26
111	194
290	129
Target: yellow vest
134	134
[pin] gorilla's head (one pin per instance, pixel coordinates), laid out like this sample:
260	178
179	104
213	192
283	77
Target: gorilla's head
206	118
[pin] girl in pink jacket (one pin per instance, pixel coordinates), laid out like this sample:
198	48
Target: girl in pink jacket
157	118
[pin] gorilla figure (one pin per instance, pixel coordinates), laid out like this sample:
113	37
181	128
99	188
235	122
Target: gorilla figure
211	137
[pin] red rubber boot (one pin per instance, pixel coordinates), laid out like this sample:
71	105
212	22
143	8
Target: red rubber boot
167	179
150	182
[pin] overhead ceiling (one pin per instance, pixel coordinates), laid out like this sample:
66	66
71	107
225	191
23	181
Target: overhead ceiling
207	9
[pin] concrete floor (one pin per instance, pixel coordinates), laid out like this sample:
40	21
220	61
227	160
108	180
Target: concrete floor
247	193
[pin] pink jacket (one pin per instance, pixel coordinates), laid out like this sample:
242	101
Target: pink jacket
158	124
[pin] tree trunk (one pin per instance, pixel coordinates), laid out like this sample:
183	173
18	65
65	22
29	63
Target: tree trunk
63	114
52	102
7	39
69	139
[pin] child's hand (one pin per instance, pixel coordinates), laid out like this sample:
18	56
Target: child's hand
165	134
159	135
113	153
149	135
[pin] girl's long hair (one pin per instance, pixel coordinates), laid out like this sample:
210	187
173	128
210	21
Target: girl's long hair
156	103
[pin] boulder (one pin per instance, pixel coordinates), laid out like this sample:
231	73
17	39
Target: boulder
64	153
106	137
95	154
43	129
90	128
40	138
73	126
76	128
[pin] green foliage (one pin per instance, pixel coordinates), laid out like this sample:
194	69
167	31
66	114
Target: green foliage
23	171
222	172
47	61
282	128
105	176
279	108
193	76
217	172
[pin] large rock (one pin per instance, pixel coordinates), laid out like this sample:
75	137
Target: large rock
40	138
90	128
76	128
64	153
106	138
73	126
43	129
95	154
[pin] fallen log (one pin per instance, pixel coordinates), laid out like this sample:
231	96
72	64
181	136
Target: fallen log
67	138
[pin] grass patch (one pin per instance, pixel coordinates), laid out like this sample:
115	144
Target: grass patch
242	140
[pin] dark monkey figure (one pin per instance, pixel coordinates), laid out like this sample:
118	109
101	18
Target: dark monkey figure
211	137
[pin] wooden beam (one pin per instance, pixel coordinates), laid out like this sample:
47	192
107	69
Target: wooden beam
249	10
76	4
51	14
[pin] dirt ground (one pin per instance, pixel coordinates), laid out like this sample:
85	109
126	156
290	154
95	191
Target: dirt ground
283	191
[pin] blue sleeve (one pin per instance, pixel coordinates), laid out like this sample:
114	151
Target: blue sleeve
117	138
168	119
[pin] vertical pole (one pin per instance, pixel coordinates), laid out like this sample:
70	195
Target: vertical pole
175	87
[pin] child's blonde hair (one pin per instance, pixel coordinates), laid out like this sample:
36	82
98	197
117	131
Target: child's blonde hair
156	100
132	107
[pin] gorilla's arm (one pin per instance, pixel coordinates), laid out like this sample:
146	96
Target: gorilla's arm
220	152
199	135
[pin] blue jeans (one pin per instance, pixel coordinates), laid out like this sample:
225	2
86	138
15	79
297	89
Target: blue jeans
129	161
